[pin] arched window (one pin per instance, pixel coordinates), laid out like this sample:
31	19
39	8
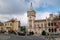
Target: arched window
52	29
49	24
49	30
55	29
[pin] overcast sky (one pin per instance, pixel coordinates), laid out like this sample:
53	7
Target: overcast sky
18	9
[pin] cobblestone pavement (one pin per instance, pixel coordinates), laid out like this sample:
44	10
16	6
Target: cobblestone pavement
16	37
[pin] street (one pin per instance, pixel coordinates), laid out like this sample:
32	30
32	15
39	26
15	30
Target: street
17	37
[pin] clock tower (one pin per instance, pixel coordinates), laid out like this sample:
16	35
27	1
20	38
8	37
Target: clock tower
31	14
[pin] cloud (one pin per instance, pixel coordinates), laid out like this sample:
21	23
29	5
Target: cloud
22	18
18	8
12	7
21	6
6	17
42	15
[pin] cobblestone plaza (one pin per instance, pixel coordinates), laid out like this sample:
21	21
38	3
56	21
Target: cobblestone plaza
17	37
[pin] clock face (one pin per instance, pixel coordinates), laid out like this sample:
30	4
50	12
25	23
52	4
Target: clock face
30	16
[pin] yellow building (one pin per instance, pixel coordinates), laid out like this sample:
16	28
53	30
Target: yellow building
37	26
11	25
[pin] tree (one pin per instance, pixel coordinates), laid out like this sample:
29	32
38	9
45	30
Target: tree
23	29
43	33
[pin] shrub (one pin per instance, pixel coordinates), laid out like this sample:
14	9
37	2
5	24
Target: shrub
31	33
43	33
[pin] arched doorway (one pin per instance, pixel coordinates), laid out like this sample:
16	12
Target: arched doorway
49	30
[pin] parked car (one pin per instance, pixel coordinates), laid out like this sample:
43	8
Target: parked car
21	33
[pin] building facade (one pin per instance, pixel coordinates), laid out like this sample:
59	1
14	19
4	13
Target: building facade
37	26
11	25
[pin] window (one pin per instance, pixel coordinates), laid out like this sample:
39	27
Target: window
49	24
45	25
54	23
59	29
52	29
49	30
41	25
11	24
30	25
55	29
5	24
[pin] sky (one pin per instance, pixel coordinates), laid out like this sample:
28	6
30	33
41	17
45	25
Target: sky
18	9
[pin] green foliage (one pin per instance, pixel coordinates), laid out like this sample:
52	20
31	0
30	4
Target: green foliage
23	29
11	32
43	32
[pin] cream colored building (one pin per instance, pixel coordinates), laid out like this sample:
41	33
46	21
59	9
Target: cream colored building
37	26
12	24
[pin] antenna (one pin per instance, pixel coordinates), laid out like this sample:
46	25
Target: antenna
31	4
31	7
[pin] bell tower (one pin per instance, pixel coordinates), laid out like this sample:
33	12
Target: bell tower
31	14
